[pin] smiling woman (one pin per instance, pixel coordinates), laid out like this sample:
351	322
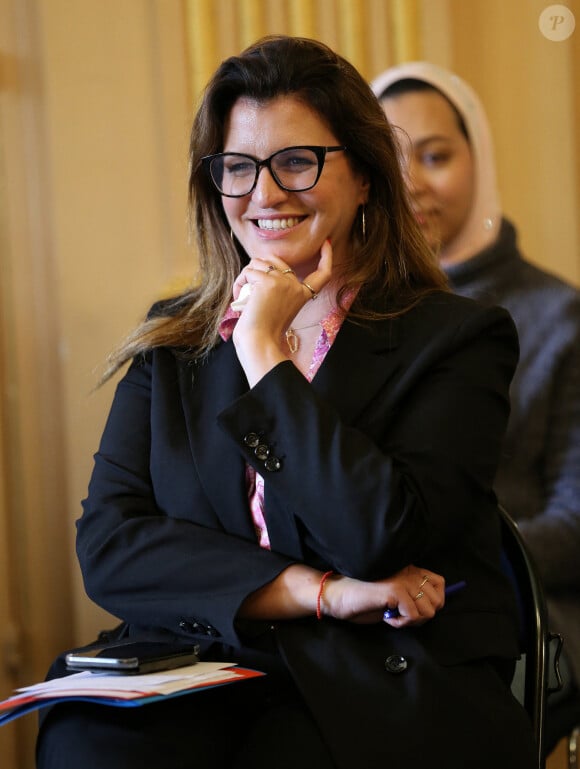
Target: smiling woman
291	481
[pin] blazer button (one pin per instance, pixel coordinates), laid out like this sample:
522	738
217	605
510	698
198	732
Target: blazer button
252	440
262	451
188	626
396	664
272	464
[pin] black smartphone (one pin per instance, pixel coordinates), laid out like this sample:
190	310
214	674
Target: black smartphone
132	657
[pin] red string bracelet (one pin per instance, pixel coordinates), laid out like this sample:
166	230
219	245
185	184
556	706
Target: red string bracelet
323	579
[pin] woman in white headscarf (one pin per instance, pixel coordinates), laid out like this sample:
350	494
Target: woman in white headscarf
447	154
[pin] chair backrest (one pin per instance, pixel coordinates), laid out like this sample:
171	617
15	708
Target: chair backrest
535	636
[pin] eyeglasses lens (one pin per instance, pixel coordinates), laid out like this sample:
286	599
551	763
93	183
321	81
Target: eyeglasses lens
293	169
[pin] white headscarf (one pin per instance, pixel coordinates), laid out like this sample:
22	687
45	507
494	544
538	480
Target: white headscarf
483	223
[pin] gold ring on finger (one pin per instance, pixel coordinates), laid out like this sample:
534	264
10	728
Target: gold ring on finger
420	594
285	272
309	287
424	582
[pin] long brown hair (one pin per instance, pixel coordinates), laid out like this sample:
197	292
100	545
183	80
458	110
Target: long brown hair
391	264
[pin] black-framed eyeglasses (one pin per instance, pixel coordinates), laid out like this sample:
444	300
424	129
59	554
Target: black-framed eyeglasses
294	169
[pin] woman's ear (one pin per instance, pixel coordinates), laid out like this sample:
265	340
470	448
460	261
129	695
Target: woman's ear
364	190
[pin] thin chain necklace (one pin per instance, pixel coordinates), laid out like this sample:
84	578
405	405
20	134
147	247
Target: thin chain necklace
292	338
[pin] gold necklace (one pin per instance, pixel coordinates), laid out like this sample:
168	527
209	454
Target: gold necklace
292	338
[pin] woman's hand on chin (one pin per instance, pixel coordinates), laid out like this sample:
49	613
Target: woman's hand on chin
269	296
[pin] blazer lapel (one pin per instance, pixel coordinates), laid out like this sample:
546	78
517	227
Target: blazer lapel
353	372
357	366
206	389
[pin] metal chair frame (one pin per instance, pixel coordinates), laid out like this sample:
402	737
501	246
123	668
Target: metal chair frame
536	638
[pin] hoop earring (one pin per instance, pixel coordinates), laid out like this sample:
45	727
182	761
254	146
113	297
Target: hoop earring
364	225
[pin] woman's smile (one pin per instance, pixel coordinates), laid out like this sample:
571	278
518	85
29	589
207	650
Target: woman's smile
278	224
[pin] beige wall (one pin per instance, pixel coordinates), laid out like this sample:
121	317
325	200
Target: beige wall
95	103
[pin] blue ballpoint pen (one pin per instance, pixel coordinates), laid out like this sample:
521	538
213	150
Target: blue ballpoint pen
449	590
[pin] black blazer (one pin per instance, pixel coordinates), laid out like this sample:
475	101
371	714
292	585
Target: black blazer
387	458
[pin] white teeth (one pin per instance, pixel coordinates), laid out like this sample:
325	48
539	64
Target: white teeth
277	224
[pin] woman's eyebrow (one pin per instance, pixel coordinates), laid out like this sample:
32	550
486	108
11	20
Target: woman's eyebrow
422	141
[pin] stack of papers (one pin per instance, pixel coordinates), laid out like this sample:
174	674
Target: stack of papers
122	691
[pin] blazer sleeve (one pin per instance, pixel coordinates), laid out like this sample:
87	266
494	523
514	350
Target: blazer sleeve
142	563
411	475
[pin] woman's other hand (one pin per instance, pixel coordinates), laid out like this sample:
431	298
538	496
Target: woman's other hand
301	591
417	594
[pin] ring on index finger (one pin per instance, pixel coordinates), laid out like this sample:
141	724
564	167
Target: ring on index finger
285	272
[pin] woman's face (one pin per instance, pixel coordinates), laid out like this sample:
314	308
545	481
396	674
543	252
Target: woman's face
438	164
291	225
